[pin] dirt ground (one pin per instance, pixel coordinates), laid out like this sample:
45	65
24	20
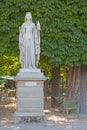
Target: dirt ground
55	120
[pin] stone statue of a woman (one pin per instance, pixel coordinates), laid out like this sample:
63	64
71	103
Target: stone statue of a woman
29	43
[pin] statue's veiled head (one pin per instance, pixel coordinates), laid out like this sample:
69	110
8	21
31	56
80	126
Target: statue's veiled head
28	17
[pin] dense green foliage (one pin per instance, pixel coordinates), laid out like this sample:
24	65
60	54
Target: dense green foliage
66	32
9	65
63	29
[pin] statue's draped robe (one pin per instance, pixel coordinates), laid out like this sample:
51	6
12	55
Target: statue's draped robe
27	45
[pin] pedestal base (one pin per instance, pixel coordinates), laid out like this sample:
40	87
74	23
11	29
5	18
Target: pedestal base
30	96
29	117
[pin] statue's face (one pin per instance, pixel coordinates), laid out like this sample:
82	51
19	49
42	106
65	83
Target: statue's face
28	17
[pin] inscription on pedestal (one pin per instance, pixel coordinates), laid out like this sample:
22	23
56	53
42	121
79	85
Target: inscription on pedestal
31	119
30	84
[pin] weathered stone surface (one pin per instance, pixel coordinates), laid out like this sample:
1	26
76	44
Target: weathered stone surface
30	96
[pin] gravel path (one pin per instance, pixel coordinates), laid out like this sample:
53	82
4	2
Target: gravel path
54	121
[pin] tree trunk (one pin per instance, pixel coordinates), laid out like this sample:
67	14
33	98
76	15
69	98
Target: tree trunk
55	91
77	86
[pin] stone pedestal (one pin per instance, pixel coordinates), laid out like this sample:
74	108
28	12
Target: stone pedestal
30	96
